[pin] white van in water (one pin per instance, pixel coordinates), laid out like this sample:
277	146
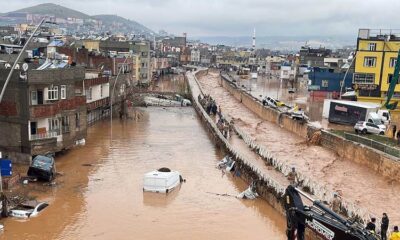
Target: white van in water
162	180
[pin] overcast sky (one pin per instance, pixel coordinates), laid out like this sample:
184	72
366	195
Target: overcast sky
238	17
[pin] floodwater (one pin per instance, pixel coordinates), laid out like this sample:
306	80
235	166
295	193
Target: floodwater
354	182
273	86
105	199
168	83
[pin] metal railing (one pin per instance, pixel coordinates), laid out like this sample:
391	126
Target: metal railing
373	144
46	135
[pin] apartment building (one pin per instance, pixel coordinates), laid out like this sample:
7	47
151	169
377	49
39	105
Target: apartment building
43	112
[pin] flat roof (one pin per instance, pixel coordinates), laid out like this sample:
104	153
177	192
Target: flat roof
356	103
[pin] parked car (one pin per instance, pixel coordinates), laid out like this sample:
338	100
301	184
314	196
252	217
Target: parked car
28	209
368	127
42	168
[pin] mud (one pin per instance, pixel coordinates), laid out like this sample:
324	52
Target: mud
353	182
100	193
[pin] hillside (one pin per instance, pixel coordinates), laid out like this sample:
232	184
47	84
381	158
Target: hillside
57	10
121	24
111	23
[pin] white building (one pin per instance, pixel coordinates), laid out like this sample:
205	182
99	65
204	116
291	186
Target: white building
195	56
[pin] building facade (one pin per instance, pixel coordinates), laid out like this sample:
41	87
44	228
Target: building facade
45	112
376	58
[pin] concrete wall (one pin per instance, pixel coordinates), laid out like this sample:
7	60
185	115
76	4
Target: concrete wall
266	113
384	164
265	186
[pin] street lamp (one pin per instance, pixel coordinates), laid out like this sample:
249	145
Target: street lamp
112	92
19	56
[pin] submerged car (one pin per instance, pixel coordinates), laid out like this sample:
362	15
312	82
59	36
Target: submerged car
368	127
28	209
42	168
162	180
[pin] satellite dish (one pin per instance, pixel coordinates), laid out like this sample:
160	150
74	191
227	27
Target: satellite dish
7	65
16	66
25	67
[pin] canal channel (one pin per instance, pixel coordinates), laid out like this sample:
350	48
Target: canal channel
99	195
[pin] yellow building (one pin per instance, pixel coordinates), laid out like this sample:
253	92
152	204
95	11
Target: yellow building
374	66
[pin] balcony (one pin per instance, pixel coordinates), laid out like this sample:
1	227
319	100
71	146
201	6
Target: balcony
49	110
41	136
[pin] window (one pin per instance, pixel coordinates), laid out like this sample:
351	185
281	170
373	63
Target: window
54	125
63	92
34	99
372	46
77	121
392	62
369	61
390	77
364	78
324	83
52	93
65	124
89	94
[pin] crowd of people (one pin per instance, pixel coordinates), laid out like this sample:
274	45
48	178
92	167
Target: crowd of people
211	108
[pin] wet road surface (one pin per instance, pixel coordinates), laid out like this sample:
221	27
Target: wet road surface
105	200
356	183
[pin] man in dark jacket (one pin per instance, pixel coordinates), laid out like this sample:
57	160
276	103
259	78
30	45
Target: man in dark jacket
384	226
371	225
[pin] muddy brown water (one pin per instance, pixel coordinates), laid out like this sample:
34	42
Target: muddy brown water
356	183
106	201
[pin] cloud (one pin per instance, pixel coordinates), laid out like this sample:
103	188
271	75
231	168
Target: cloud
238	17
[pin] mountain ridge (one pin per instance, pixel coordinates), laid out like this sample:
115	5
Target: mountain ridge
115	22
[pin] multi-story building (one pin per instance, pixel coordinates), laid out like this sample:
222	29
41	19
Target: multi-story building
376	58
97	92
195	56
43	112
313	57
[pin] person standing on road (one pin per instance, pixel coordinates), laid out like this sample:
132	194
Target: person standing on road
395	234
292	176
394	129
371	225
335	205
384	226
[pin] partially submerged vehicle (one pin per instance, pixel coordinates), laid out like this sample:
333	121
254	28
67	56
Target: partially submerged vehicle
249	193
42	168
28	209
162	180
164	101
226	163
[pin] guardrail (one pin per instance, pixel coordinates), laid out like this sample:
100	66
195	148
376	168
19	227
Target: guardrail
373	144
40	136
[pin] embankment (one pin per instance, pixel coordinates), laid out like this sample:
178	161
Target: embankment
384	164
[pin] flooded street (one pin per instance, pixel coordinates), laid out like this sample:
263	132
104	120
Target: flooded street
354	182
104	199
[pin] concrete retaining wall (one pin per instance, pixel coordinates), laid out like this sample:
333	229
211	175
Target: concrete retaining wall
269	114
267	187
384	164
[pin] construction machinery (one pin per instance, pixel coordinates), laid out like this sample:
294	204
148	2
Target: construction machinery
320	219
